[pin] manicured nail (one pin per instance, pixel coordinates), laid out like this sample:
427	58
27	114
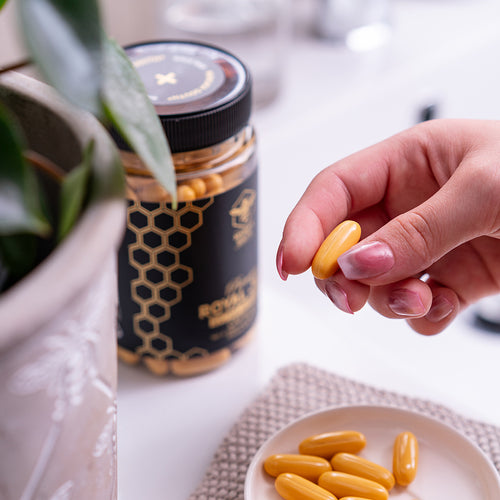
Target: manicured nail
441	308
279	263
404	302
338	296
366	260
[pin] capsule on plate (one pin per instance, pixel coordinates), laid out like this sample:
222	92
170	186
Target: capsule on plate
307	466
343	237
293	487
405	458
327	444
353	498
342	485
359	466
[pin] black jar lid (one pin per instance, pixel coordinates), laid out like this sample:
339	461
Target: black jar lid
202	94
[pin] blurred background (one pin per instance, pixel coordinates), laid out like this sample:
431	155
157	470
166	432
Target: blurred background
437	53
433	58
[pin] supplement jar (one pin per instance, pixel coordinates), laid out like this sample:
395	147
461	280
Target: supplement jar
188	275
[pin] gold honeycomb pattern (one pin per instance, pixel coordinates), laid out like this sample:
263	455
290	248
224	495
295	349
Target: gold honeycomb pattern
161	235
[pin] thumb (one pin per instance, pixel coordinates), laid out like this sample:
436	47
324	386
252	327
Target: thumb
411	242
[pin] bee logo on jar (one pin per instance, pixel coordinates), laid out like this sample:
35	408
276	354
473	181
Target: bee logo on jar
242	217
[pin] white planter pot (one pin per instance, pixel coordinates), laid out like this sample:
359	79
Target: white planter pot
58	331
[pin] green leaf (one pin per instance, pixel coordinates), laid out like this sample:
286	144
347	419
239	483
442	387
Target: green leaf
20	205
74	193
65	40
132	113
2	3
107	175
97	177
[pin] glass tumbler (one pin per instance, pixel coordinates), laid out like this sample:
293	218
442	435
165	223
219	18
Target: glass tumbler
256	31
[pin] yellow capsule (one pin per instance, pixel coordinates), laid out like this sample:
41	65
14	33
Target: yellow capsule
342	485
343	237
353	498
327	444
147	189
359	466
293	487
307	466
214	183
185	193
198	186
405	458
127	356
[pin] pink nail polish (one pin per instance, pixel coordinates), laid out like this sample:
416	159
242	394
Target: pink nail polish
279	263
366	260
338	296
440	309
406	303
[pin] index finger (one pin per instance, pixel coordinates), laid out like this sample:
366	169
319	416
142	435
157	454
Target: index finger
348	186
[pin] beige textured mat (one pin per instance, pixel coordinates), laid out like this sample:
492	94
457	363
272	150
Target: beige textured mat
298	389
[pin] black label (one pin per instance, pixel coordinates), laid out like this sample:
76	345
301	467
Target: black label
188	277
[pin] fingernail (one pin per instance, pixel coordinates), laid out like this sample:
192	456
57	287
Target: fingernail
404	302
366	260
441	308
279	263
338	296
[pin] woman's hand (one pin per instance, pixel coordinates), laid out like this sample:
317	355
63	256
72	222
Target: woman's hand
428	202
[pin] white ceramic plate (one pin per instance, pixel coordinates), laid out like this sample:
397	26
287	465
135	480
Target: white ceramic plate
450	466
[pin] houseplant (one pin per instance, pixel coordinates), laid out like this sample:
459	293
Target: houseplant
72	53
57	251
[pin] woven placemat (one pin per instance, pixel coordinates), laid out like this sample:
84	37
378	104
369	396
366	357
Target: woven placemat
298	389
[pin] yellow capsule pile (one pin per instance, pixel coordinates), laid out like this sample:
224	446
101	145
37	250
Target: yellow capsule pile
327	467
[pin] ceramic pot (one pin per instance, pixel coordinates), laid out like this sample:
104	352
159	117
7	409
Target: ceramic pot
58	330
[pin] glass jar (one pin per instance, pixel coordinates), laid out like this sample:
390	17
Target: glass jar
188	276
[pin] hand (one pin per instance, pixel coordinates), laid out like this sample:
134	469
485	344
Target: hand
428	202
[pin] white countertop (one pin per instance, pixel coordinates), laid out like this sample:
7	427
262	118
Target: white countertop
333	103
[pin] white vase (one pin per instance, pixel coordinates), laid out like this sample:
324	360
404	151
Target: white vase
58	330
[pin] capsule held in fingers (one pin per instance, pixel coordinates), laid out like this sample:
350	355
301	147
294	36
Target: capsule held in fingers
342	485
307	466
359	466
327	444
405	458
293	487
343	237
